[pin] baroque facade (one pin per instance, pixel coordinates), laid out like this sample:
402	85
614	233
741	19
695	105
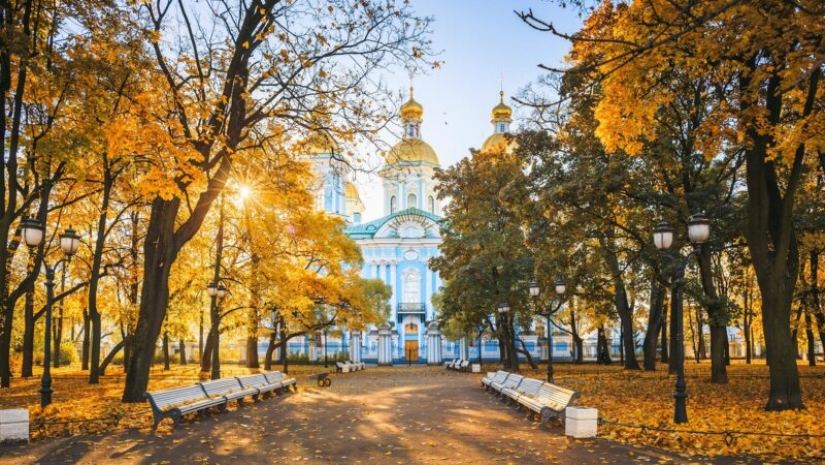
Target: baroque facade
398	246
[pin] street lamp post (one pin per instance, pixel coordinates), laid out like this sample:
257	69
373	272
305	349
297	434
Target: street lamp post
69	242
503	309
216	291
33	233
698	233
535	290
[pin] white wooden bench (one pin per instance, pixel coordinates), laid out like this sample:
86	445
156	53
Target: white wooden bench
511	382
176	402
358	365
497	377
450	363
260	384
230	388
550	401
527	387
286	383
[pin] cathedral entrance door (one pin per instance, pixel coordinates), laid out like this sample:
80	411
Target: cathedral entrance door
411	351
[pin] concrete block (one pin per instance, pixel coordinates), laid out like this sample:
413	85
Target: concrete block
14	425
476	368
581	422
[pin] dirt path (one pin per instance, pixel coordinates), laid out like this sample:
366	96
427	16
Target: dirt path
403	415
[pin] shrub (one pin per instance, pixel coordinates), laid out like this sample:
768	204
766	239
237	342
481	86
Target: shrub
68	353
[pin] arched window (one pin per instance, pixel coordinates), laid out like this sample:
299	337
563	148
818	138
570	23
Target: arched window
392	204
411	288
357	217
431	204
412	201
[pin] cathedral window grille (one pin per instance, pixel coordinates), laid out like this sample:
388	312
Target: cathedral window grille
392	204
411	201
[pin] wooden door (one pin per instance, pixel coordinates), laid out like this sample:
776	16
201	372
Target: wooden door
411	351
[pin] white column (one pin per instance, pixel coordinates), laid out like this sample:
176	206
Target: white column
355	346
426	298
375	270
384	344
394	300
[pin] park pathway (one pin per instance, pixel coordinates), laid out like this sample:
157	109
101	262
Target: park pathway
377	416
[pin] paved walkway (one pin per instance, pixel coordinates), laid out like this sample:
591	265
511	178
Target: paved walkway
407	415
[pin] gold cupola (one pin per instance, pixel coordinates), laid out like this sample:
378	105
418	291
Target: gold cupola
411	149
502	116
411	110
502	112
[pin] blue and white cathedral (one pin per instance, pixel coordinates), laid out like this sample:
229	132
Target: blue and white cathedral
397	246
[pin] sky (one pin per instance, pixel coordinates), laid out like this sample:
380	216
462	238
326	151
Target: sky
484	46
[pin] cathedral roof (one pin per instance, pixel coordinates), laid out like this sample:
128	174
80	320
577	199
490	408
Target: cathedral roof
412	151
369	229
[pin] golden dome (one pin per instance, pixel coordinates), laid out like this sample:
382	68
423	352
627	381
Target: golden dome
412	110
320	143
351	191
412	151
498	141
502	112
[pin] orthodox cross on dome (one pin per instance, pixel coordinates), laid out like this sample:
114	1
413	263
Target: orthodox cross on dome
411	113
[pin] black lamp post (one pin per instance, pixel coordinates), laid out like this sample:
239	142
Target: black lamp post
548	314
216	292
698	233
503	309
69	242
33	232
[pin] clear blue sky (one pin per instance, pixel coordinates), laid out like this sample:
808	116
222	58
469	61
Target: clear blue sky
481	41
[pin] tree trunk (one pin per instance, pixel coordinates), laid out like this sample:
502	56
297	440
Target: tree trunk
86	341
602	349
815	303
206	359
654	324
165	347
252	352
111	356
523	350
182	350
578	342
771	238
269	350
622	305
665	344
809	332
160	251
671	364
94	279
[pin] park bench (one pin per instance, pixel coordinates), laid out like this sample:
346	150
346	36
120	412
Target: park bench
278	377
230	388
528	387
511	382
341	367
358	365
260	384
463	366
550	401
176	402
450	364
497	377
457	364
